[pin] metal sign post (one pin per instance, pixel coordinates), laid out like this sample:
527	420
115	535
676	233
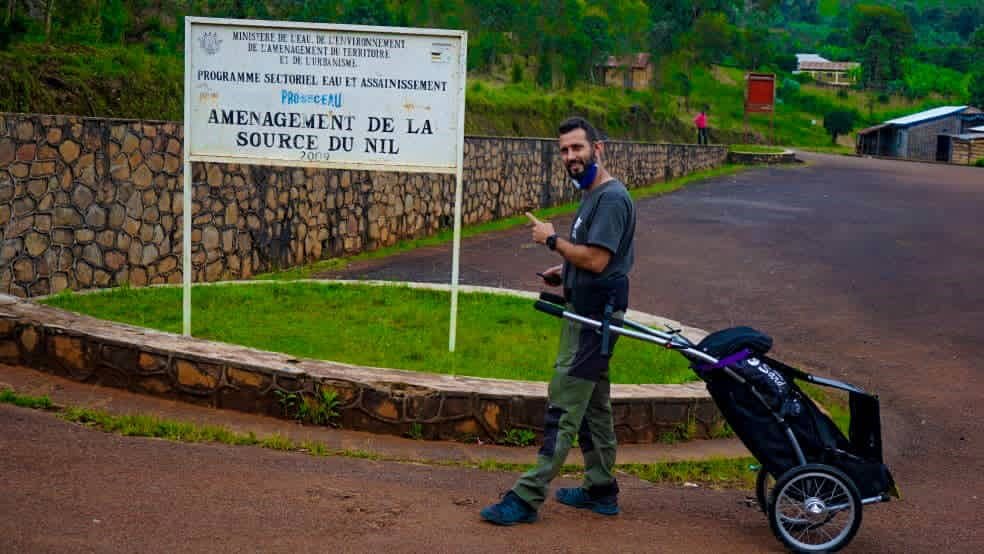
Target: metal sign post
321	95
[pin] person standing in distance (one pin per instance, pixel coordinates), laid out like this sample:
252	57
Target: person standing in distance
597	257
701	122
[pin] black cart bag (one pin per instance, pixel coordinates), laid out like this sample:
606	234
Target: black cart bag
759	398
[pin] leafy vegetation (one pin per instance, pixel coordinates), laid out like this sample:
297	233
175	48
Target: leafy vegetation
839	122
519	437
8	396
532	63
719	473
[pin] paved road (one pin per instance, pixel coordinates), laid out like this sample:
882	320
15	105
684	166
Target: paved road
865	270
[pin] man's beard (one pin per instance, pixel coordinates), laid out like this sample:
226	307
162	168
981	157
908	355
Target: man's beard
584	167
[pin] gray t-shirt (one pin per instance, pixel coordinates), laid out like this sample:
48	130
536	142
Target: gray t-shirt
605	218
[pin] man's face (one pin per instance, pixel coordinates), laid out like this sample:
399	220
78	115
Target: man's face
577	152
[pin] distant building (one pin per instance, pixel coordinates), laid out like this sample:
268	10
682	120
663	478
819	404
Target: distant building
800	58
634	71
944	134
825	71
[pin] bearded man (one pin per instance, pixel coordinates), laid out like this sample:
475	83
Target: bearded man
597	257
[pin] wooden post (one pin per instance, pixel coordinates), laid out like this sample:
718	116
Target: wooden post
49	7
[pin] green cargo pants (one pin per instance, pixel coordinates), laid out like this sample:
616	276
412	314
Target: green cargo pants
578	402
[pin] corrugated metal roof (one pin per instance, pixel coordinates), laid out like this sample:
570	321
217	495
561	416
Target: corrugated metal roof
810	58
977	129
934	113
635	61
827	66
872	129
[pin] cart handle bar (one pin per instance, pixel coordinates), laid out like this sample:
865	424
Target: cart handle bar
677	342
644	333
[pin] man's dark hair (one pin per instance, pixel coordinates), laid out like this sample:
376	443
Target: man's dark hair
572	123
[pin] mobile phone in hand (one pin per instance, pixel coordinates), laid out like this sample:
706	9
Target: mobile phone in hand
553	279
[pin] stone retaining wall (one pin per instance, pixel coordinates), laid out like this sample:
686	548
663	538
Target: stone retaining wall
87	203
378	400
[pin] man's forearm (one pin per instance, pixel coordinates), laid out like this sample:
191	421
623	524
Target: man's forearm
591	258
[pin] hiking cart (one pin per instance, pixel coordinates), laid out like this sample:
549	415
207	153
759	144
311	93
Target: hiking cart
813	480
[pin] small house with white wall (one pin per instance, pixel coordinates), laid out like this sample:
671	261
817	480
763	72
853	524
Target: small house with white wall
824	71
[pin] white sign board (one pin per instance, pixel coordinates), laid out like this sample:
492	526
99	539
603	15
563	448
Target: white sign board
339	96
281	93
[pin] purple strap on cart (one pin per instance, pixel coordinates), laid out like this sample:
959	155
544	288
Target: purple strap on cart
723	362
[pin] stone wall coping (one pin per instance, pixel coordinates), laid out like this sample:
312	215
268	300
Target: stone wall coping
274	363
91	118
176	122
752	158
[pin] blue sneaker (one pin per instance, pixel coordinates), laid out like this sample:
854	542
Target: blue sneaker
579	498
510	511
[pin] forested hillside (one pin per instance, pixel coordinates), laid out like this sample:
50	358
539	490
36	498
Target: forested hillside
532	62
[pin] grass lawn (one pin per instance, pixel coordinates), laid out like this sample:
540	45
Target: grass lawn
756	149
396	327
831	149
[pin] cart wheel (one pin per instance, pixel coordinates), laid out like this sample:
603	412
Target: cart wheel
814	508
763	488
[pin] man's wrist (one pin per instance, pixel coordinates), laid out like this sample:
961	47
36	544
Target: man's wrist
551	242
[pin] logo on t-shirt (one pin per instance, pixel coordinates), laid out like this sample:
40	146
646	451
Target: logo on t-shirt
577	224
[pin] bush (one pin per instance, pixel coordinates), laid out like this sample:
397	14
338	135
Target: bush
979	163
789	87
517	72
842	93
787	62
883	98
839	122
12	31
803	77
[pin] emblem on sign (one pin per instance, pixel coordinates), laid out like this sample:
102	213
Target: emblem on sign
440	52
209	42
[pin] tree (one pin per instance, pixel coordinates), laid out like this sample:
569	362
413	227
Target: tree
876	62
12	30
366	12
967	19
495	17
630	19
713	36
838	122
683	83
885	34
800	10
977	40
755	47
114	19
787	62
596	28
976	89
